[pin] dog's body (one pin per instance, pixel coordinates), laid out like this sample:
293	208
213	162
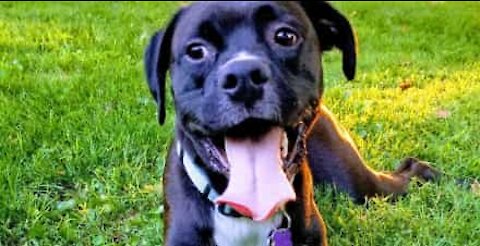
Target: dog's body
243	77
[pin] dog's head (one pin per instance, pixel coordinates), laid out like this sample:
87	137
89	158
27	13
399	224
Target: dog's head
243	74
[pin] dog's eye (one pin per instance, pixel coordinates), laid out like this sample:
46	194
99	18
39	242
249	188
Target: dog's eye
286	37
197	51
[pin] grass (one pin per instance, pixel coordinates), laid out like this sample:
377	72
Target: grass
81	154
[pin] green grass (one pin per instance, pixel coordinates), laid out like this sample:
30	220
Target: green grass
81	154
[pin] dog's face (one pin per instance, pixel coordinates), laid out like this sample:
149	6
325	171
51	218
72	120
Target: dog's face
239	63
243	73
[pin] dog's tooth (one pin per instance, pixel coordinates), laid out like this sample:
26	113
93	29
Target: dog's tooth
284	146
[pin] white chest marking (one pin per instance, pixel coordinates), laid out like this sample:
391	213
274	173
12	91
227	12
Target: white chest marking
231	231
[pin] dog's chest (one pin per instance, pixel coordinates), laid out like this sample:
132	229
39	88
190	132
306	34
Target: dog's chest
231	231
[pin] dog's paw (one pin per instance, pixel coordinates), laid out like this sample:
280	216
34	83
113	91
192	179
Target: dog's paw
413	167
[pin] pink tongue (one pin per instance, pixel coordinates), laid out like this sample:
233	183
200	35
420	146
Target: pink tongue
257	184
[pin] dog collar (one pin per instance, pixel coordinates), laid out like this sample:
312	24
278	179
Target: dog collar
200	180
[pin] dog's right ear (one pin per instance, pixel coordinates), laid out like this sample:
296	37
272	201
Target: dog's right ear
157	60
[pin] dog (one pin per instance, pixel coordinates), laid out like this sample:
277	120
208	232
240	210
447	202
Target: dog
252	136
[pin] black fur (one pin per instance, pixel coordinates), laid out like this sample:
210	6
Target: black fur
205	110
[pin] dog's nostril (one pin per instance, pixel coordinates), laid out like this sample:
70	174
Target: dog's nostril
230	82
258	77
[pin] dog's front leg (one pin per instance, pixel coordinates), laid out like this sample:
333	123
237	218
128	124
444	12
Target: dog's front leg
334	158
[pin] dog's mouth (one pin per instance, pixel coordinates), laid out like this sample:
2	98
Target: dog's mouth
254	130
253	154
260	158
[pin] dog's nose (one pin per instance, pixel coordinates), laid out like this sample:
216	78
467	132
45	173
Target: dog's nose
244	80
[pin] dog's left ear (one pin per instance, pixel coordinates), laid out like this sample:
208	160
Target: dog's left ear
333	30
157	61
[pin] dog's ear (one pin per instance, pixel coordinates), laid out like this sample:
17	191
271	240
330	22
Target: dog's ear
157	60
333	30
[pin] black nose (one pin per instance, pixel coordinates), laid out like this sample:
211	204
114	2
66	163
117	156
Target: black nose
244	80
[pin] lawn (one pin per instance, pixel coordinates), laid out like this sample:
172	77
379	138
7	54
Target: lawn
81	153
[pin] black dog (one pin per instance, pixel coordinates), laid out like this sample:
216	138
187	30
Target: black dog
251	133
